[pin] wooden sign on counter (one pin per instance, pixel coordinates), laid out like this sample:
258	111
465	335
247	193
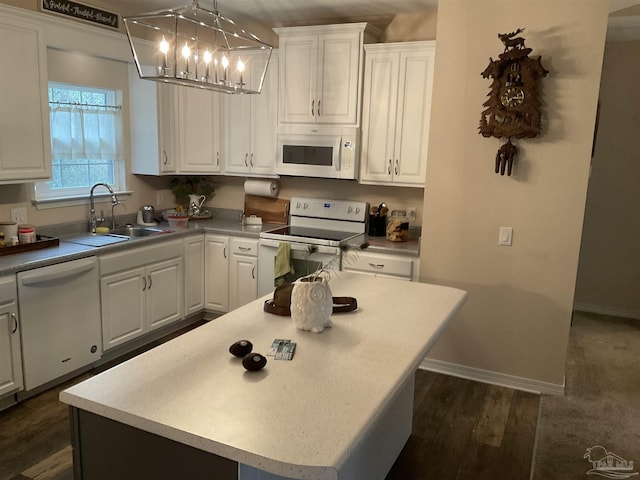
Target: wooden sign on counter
271	210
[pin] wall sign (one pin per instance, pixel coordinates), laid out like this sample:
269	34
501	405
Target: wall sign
82	12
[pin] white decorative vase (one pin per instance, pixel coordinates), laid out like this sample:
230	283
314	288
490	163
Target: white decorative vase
311	304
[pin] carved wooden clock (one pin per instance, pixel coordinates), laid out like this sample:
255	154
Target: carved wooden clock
513	106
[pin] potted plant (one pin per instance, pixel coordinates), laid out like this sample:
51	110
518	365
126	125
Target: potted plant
184	185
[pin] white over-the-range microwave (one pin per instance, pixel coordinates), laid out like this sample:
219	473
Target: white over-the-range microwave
318	151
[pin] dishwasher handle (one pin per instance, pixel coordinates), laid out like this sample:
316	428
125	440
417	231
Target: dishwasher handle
55	274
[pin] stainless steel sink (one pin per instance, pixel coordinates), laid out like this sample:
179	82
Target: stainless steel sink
120	234
131	231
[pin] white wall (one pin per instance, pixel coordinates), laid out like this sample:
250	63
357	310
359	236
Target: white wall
515	323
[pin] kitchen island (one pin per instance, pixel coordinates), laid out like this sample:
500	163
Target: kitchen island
341	409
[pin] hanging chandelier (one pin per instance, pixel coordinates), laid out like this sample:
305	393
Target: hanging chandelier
195	47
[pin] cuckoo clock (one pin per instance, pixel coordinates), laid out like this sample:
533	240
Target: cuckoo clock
513	107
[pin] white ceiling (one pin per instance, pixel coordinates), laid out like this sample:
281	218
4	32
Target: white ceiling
625	18
282	12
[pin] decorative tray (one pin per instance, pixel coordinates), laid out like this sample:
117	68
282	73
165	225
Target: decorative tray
41	242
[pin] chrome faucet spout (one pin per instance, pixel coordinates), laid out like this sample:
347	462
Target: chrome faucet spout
93	221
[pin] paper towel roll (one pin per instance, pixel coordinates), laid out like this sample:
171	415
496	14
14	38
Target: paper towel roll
262	188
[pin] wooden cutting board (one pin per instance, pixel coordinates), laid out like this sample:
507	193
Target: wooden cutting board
271	210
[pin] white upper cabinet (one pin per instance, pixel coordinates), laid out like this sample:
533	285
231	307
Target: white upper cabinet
174	129
25	145
398	79
250	121
321	73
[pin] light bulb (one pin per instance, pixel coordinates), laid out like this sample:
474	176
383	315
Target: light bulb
186	51
240	66
207	57
164	45
225	62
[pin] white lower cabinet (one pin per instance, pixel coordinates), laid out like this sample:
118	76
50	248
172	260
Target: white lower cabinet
193	274
216	280
231	272
384	265
10	354
243	276
141	290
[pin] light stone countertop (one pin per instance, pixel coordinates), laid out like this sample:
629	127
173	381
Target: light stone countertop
299	418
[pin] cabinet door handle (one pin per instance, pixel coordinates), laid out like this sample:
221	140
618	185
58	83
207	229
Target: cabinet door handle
395	169
144	279
376	265
389	167
251	160
319	107
150	282
217	159
253	271
224	252
313	103
244	249
15	323
166	157
246	155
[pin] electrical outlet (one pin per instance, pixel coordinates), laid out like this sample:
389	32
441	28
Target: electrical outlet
412	214
19	215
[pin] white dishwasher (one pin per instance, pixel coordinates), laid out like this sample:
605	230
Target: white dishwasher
60	319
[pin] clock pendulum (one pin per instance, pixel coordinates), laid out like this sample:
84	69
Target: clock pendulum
513	107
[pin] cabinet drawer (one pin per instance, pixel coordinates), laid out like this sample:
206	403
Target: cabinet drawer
382	264
138	257
244	246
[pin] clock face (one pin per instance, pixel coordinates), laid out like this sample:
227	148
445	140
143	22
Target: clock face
512	97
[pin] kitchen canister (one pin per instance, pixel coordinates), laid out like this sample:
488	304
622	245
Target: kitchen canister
26	234
398	226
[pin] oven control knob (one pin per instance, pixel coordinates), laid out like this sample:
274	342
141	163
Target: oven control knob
298	205
306	205
357	209
349	209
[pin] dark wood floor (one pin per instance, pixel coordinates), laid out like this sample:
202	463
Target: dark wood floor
462	430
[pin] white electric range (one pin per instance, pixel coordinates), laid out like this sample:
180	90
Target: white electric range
319	231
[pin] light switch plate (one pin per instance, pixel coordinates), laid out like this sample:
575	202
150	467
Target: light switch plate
19	215
505	236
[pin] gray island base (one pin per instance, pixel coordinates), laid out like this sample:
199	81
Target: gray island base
341	409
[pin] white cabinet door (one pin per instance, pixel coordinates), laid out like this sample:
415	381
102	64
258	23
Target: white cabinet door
250	120
320	74
298	74
25	145
146	296
396	110
379	119
123	302
243	275
338	76
10	355
164	302
194	274
199	112
186	135
217	273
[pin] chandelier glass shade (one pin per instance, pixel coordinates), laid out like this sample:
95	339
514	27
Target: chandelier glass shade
196	47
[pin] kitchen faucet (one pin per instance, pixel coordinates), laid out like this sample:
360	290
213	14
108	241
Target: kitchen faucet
93	221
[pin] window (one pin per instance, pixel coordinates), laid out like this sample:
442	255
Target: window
86	141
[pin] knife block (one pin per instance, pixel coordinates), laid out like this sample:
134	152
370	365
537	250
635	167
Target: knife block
377	226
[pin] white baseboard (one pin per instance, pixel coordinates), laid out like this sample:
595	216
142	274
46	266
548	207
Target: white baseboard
494	378
603	310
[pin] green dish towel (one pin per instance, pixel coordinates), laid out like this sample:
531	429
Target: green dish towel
283	264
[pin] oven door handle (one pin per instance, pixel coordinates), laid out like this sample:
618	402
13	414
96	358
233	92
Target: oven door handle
299	247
